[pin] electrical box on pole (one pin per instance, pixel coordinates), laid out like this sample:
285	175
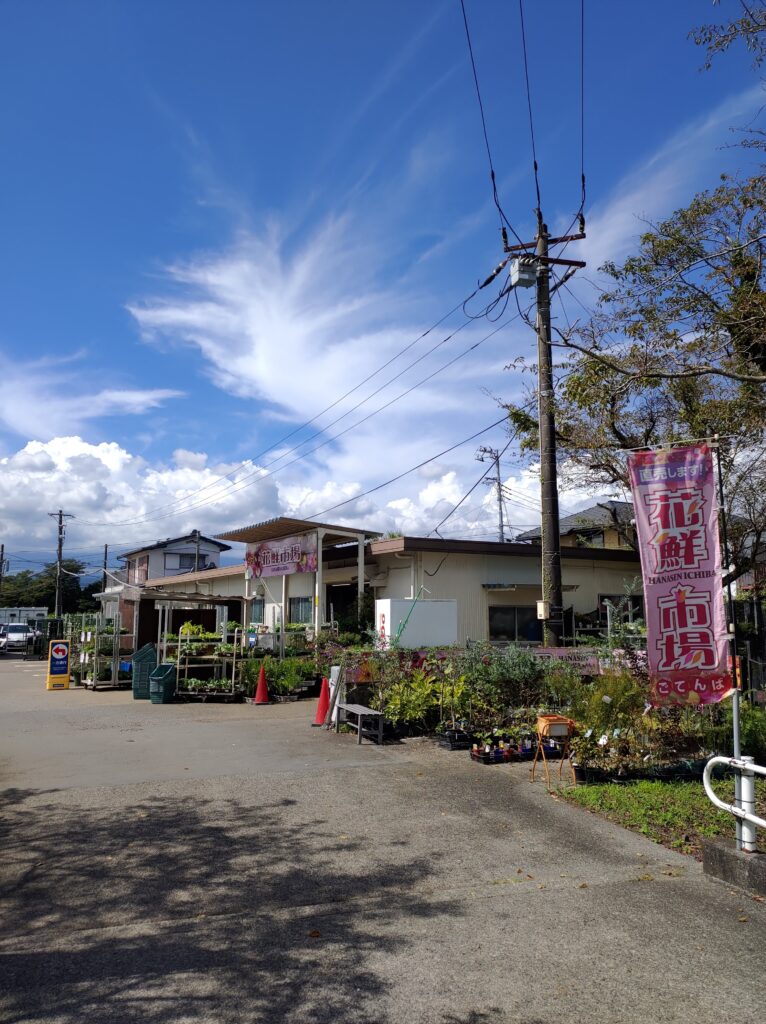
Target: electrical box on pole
523	272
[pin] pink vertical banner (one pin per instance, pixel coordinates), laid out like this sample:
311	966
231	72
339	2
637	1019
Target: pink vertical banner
677	525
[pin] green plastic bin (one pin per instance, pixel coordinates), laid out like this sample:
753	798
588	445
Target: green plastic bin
144	663
162	684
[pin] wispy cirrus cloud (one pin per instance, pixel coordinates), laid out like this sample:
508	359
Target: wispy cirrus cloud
666	179
45	398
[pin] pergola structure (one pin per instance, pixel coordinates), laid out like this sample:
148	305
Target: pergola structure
284	528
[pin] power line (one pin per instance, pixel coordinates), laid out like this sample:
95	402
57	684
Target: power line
232	474
258	471
263	474
412	469
473	488
493	180
529	107
579	215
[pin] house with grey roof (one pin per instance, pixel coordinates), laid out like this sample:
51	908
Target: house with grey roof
607	524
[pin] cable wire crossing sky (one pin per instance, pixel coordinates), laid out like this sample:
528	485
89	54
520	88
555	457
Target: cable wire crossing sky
244	247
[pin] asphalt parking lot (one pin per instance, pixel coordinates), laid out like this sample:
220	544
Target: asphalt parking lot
227	863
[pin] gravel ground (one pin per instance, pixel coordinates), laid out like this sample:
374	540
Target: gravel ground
226	863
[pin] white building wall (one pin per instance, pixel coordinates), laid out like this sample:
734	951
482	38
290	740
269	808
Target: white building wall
210	554
462	576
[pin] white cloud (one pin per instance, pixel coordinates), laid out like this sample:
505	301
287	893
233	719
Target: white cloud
296	323
295	326
43	399
105	484
668	178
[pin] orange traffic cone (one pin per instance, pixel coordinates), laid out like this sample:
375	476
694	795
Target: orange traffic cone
262	690
324	703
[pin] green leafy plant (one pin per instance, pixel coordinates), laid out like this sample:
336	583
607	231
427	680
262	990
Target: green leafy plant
414	700
190	628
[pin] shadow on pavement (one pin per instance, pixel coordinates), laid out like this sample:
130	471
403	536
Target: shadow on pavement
194	909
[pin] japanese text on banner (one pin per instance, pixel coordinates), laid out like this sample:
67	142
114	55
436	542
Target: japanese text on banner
677	526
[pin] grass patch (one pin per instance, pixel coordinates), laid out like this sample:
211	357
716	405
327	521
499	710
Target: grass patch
676	814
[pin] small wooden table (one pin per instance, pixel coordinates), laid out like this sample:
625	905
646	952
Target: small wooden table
362	714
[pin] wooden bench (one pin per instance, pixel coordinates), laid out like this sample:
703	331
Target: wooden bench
362	714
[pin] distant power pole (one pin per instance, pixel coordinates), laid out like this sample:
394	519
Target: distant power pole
494	455
103	575
2	571
61	516
196	535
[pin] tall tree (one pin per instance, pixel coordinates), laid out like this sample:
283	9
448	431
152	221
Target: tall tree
675	349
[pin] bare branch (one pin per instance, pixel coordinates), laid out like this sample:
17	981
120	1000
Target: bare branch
648	374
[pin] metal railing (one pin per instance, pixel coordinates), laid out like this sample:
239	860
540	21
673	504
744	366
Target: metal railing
745	810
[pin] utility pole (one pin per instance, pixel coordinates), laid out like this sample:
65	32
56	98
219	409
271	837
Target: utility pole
195	534
61	516
494	455
103	574
549	492
2	571
522	275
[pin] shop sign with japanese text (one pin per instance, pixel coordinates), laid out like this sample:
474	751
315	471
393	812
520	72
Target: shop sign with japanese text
282	557
677	526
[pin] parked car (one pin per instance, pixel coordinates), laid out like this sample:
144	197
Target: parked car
15	636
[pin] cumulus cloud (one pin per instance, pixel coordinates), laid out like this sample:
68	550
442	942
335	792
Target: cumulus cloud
118	498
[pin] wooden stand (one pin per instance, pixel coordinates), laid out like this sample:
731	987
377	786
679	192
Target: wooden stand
559	728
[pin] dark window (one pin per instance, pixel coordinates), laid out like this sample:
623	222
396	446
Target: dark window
257	609
514	624
189	561
299	610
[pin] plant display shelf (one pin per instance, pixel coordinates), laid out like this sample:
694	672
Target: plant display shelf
223	665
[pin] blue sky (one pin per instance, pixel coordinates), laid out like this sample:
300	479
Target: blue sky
219	218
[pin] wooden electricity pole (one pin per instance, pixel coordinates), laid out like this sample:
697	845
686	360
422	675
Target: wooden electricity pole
61	516
494	455
550	537
550	540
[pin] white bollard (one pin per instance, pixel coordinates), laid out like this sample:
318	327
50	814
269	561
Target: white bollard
748	805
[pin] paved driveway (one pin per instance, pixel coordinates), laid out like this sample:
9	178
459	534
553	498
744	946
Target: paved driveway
191	863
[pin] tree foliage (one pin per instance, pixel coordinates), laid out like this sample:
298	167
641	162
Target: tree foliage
749	28
675	350
35	590
691	302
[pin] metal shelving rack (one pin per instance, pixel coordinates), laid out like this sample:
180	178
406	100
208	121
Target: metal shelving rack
223	665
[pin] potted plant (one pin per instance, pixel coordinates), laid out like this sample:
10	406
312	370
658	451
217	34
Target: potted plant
283	678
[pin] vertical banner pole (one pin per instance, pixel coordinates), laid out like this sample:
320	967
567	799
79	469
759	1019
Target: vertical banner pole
735	702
